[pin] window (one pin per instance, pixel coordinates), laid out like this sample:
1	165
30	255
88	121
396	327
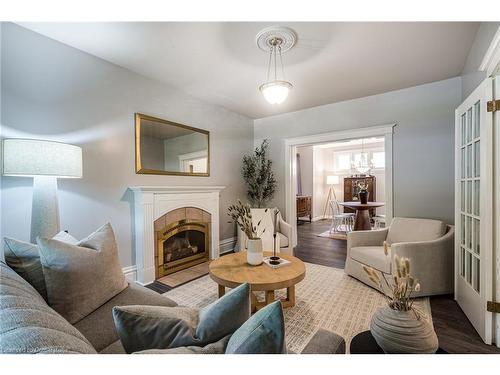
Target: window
343	162
378	159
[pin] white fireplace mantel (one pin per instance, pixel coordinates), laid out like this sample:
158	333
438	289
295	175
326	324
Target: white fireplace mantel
152	202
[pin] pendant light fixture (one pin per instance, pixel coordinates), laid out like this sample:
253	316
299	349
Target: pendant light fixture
362	166
276	41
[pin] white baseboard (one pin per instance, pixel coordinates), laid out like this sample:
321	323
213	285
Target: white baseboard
225	246
130	273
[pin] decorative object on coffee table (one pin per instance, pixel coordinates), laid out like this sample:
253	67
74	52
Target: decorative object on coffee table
398	327
254	252
232	270
241	214
362	219
274	260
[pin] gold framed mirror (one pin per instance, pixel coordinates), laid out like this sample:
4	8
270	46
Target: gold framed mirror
168	148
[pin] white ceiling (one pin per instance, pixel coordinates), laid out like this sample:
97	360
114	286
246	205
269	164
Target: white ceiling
220	63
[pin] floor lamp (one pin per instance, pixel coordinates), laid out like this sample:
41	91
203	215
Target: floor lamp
45	161
330	181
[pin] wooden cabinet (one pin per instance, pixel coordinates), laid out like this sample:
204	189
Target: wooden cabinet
351	191
304	207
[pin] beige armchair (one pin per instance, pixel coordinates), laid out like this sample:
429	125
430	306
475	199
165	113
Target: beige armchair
428	243
269	219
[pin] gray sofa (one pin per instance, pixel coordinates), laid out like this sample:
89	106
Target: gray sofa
29	325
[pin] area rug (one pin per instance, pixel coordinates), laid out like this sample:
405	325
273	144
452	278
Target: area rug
326	298
333	235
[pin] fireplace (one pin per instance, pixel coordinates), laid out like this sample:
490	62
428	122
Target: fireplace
182	240
158	207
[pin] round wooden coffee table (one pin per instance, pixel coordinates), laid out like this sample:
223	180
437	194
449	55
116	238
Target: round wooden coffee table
362	221
232	270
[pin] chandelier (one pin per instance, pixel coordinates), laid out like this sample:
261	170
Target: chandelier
362	166
276	41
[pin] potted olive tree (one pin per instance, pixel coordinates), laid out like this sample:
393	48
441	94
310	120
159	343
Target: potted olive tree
258	175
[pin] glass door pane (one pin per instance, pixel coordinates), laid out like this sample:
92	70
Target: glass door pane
477	119
477	159
469	184
469	197
463	130
477	237
469	161
477	193
469	125
475	274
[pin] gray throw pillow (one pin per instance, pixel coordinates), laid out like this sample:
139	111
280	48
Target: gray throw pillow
218	347
82	277
157	327
24	258
263	333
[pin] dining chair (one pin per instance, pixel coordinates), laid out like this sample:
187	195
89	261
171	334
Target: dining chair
340	219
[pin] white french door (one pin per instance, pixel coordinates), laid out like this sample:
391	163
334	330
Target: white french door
474	208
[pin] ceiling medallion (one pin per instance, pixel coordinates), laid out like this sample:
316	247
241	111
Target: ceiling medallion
275	40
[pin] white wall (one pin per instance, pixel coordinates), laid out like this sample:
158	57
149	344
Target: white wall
423	165
320	190
306	169
52	91
471	76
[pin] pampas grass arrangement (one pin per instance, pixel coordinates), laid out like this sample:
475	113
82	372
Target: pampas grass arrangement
240	214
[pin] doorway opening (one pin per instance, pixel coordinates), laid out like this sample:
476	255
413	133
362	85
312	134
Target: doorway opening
325	173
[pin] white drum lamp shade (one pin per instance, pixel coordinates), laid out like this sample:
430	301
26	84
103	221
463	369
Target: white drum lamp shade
31	157
332	180
45	161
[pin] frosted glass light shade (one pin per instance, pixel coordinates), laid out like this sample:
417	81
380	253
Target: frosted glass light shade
31	157
332	180
275	92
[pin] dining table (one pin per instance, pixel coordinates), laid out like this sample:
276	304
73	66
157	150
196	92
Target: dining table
362	219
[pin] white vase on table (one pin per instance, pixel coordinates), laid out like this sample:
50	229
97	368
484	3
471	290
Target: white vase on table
255	254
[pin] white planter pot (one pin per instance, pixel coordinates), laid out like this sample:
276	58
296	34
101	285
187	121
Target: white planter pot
401	332
254	252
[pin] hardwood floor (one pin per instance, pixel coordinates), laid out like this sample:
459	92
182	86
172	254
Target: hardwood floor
454	331
319	250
